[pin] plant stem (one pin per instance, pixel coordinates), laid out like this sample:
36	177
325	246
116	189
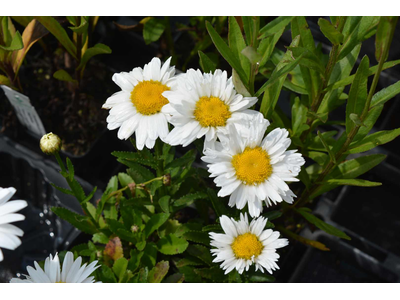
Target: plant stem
168	36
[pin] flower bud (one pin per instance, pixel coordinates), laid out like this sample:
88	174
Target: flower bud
50	143
167	179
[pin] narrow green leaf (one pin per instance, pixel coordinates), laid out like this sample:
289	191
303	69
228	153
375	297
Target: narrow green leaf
100	238
237	44
281	70
353	168
89	53
78	221
322	225
171	244
153	29
373	140
135	259
357	35
382	37
251	54
267	46
369	122
354	182
326	146
200	252
227	53
183	161
358	93
83	26
63	190
330	31
299	117
206	64
274	26
385	94
59	33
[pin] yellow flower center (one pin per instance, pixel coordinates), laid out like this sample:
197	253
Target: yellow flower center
211	111
246	246
147	97
252	166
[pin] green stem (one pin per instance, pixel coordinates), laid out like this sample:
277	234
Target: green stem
168	35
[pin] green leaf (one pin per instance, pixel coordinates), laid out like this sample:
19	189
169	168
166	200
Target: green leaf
63	190
71	169
138	173
227	53
16	43
215	273
107	275
358	93
157	274
282	72
357	35
93	51
318	157
356	120
239	86
382	35
251	54
175	278
155	222
326	146
189	198
189	261
299	117
348	80
354	182
143	275
164	203
373	140
272	215
385	94
152	30
83	26
369	122
322	225
219	207
90	196
120	267
171	244
197	237
183	161
330	31
274	26
310	60
100	238
136	157
200	252
64	76
134	261
355	167
80	222
237	44
267	46
206	64
59	33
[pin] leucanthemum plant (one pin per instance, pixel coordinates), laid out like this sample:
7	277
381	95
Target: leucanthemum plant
166	216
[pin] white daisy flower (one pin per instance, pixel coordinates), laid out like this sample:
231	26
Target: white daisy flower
204	104
72	271
244	244
9	233
139	106
252	169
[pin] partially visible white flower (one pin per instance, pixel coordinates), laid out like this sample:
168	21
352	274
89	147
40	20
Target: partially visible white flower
9	233
204	104
252	169
139	107
72	271
243	244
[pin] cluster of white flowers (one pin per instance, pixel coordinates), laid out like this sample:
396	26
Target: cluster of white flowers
249	167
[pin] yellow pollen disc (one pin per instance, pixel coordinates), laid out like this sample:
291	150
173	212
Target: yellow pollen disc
246	246
147	97
211	111
252	166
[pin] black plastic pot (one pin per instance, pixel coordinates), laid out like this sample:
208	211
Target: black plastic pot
44	233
